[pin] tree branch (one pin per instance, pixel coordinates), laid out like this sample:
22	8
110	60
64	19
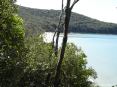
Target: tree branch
58	30
75	1
53	39
64	42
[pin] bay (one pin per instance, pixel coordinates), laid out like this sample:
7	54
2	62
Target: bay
101	51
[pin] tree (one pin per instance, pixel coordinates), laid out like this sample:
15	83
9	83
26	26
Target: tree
41	60
12	49
74	72
68	10
114	86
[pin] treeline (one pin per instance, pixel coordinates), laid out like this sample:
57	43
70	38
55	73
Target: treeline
37	20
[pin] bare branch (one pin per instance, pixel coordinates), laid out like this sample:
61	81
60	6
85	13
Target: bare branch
58	30
75	1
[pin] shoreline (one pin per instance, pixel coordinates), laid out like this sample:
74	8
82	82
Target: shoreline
87	33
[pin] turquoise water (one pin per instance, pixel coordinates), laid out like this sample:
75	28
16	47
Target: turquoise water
101	51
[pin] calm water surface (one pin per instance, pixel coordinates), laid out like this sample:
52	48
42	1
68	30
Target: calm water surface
101	51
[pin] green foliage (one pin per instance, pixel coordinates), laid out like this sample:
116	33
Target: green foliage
37	20
12	49
75	72
41	62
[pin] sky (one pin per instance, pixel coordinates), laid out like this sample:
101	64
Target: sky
104	10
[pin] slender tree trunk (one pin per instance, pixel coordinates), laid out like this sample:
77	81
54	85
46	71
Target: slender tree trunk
67	19
57	32
56	47
66	26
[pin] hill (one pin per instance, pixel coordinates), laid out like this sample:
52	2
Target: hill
37	20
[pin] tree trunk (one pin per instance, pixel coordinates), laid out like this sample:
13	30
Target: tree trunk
66	26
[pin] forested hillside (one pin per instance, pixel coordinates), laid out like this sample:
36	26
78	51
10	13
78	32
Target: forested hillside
37	20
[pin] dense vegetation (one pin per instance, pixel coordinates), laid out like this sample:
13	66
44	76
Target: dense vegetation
12	49
30	62
42	61
46	20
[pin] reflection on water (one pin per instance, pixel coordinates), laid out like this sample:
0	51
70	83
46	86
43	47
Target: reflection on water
101	51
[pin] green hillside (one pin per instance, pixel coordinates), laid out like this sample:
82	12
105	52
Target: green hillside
37	20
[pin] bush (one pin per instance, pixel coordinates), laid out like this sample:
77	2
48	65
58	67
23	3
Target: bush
42	65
